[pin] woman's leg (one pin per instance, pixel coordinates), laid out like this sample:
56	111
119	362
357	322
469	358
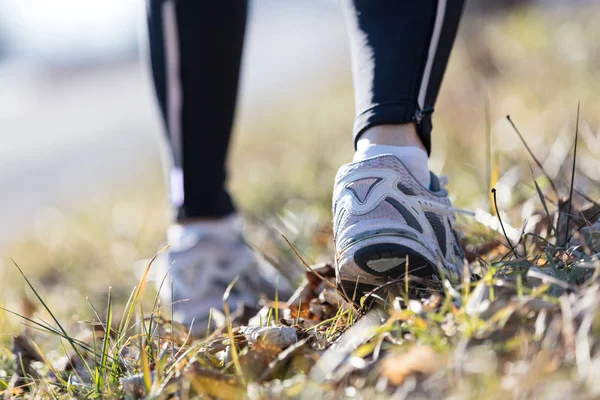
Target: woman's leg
390	212
399	54
196	49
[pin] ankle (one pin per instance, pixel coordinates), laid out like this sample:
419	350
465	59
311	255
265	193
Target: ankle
230	225
391	135
198	220
414	158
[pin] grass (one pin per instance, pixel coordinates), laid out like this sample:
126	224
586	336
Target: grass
527	325
527	329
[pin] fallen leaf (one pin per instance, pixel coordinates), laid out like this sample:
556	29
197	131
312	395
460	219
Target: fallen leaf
418	360
258	358
215	384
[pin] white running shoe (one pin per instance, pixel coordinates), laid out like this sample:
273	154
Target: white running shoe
203	263
383	217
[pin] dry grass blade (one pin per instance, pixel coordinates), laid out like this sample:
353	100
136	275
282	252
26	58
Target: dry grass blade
56	374
232	343
312	270
538	163
492	162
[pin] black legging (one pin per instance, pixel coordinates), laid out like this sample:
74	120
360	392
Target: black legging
399	48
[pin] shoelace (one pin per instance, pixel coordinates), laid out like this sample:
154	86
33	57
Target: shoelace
443	180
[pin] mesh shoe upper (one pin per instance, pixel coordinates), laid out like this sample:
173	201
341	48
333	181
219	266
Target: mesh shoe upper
378	200
202	266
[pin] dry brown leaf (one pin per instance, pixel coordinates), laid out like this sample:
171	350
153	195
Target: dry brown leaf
489	250
313	285
433	302
326	270
418	360
258	358
215	384
302	312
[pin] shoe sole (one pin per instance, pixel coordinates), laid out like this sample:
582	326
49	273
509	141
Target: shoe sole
356	273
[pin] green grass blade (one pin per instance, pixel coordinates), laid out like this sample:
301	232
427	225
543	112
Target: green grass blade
105	340
64	332
124	321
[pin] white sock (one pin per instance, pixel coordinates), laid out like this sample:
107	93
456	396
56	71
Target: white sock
185	235
414	158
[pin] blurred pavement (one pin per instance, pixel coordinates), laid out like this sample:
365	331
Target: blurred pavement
74	128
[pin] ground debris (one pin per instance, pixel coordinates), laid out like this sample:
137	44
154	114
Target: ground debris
589	237
205	382
24	354
418	360
532	313
280	336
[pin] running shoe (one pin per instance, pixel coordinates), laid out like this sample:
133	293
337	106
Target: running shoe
202	264
385	219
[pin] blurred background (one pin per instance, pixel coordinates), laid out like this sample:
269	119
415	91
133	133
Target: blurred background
81	172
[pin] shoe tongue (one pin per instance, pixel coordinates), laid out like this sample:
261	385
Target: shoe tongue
434	184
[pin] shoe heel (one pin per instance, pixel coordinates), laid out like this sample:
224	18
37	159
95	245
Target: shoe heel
390	260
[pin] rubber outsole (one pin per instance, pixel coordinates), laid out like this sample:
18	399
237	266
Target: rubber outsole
417	266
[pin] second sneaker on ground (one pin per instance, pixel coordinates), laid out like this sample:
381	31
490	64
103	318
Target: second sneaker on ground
203	260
